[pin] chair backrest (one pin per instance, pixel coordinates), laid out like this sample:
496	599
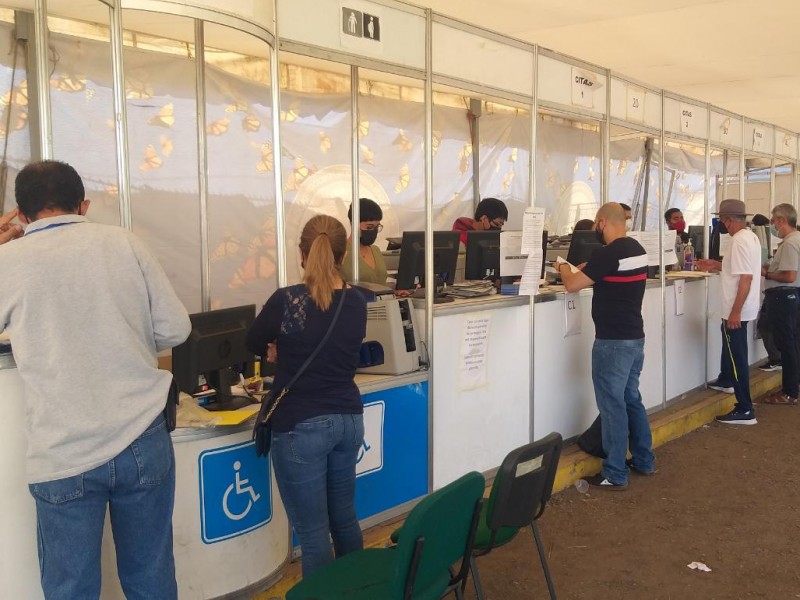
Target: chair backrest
524	483
442	525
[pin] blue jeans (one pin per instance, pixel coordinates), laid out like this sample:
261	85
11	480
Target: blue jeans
315	467
616	366
138	485
734	370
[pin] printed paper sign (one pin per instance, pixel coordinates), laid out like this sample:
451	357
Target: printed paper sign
584	84
635	107
473	356
572	314
687	117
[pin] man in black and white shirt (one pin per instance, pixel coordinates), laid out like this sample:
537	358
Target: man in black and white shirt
618	272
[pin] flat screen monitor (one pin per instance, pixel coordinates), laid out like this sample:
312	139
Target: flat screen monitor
483	255
411	268
581	246
215	351
696	237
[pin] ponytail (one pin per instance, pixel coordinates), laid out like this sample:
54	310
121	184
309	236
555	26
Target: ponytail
323	243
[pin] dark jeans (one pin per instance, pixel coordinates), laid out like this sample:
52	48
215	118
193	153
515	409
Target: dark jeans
734	365
765	331
782	304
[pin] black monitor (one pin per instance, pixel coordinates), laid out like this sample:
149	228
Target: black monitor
581	247
215	350
696	237
483	255
411	268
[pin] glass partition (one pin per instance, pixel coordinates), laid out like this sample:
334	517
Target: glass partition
241	168
505	136
633	175
161	89
453	195
316	120
757	173
568	170
685	180
82	103
15	128
391	135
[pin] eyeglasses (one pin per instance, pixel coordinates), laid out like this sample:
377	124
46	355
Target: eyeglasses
378	227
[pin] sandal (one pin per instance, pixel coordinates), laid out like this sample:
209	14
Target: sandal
780	399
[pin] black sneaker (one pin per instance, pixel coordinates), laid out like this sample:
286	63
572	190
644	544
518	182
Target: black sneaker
629	464
720	387
599	481
739	417
771	365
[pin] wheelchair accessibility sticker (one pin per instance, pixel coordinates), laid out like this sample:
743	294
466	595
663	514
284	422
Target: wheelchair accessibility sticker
370	455
235	492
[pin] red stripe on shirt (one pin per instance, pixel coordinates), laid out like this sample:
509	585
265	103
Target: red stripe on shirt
625	279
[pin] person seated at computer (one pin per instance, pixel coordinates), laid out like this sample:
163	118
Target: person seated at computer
584	225
371	266
491	214
675	222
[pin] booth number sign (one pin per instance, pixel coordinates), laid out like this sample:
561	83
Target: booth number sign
356	23
584	85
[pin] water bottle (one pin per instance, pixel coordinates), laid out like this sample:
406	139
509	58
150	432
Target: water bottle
582	486
678	253
688	257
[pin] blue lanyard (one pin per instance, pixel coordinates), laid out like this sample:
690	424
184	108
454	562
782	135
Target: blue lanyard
53	226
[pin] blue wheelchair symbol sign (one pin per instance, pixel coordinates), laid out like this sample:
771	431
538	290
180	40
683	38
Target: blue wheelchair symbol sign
235	492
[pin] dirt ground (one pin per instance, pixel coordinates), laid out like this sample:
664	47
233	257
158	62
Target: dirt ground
723	495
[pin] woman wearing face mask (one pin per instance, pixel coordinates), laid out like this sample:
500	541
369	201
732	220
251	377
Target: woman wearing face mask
371	266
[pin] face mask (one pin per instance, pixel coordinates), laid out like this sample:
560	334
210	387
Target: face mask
774	231
679	226
721	227
368	237
599	235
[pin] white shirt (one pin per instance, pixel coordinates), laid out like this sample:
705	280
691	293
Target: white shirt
743	258
87	308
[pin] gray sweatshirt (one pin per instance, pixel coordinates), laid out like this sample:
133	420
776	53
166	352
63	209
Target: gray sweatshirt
87	309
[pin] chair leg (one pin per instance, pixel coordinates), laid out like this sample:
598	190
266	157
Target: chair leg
543	558
473	567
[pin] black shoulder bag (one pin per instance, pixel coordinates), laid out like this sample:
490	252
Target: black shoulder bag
262	430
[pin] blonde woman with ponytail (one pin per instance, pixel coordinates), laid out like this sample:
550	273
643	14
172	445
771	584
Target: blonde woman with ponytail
318	428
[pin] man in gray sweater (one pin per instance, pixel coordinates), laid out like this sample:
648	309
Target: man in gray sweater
87	309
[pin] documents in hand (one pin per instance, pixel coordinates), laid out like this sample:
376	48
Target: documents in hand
561	261
470	289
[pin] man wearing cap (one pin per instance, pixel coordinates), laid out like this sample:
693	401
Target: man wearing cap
781	299
740	269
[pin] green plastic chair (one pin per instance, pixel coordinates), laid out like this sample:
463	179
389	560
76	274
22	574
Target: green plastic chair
438	532
520	492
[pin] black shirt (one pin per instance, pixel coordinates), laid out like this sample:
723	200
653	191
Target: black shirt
619	272
292	318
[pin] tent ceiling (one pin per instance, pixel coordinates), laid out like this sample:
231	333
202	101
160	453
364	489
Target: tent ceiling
740	55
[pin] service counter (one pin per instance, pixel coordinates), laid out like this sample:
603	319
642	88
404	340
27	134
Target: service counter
231	533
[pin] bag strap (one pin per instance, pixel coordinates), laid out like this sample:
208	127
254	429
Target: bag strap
271	407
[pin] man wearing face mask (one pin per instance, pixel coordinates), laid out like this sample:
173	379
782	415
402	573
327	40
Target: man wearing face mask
618	272
740	267
490	215
371	266
781	299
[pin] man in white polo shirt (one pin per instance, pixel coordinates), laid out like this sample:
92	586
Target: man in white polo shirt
741	269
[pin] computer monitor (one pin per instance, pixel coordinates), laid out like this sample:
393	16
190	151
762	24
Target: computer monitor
215	350
483	255
696	237
581	246
411	269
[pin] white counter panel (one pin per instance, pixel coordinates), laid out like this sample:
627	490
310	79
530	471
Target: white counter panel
686	363
475	429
